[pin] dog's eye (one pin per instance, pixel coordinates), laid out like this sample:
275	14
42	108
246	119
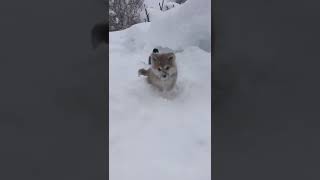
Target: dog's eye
167	68
159	68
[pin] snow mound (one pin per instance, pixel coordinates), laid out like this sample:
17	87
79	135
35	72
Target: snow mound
186	25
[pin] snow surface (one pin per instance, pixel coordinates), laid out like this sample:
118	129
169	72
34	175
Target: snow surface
188	25
153	136
155	3
153	9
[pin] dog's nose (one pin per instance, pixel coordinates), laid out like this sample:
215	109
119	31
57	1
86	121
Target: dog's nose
164	76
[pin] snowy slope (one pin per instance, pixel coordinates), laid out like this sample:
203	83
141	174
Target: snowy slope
152	136
155	3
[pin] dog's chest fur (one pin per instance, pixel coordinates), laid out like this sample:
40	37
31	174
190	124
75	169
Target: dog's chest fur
163	85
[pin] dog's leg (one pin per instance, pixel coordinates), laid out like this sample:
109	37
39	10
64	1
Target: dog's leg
143	72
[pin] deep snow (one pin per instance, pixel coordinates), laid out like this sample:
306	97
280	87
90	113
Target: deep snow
152	136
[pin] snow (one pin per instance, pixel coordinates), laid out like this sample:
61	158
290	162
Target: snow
152	135
153	8
155	3
188	25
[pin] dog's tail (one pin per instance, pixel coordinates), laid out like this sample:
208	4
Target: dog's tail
155	50
99	34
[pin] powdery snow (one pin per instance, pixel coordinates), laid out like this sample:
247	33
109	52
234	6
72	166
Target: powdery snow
153	136
155	3
186	25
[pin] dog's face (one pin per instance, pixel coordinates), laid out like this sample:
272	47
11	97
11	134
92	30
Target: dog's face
163	65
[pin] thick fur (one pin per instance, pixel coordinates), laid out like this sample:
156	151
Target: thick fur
163	72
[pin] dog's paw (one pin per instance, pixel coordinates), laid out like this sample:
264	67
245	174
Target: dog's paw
142	72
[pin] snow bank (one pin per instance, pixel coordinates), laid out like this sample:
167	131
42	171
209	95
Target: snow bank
186	25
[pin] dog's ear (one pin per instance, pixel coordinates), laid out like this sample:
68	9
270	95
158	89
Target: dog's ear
171	56
99	34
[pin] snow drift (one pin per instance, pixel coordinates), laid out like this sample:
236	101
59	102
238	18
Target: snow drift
186	25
